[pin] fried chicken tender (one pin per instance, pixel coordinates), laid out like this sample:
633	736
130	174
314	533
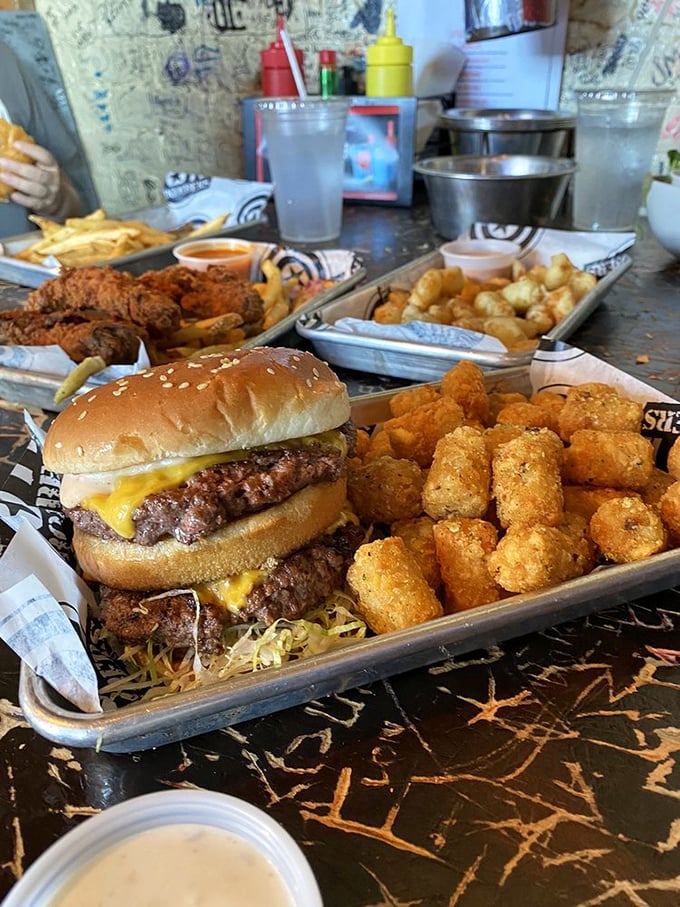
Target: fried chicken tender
77	335
385	490
530	558
458	483
463	548
207	294
608	459
418	537
598	406
526	481
114	294
391	591
414	435
464	383
626	530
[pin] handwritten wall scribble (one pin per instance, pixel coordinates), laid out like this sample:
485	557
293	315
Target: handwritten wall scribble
156	86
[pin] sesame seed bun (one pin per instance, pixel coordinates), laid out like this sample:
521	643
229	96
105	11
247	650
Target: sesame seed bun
212	404
9	134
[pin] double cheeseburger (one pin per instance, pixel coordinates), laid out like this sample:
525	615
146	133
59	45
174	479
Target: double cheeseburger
208	492
9	134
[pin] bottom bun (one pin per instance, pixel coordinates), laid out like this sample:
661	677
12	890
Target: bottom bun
244	544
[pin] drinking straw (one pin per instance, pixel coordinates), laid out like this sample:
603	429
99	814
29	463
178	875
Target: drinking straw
292	60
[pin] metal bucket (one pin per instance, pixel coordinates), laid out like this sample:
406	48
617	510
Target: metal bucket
547	133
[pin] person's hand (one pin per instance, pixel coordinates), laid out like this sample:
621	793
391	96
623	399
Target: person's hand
40	186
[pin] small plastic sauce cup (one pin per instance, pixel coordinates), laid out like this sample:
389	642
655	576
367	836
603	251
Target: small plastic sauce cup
481	259
198	254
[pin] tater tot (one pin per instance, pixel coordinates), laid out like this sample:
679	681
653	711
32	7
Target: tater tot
500	434
550	402
673	461
389	312
419	539
414	435
585	501
463	547
411	398
657	486
378	446
669	508
527	483
385	490
626	530
498	399
608	459
465	384
458	483
530	558
598	406
362	443
528	415
391	591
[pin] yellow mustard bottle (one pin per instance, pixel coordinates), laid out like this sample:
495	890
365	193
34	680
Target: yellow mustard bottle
389	64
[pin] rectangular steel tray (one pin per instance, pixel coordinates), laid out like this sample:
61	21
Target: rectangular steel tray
27	274
144	725
420	361
31	388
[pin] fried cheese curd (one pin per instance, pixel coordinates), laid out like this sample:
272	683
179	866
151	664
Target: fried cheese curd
483	495
515	310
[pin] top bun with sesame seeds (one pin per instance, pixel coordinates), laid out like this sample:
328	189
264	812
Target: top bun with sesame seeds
211	404
208	492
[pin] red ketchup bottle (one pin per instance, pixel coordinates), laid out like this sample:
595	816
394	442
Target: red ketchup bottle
277	78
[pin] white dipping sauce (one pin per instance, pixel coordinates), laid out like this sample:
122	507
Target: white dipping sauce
187	864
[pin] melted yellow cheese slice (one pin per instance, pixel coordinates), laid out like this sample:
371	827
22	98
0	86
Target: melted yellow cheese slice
231	593
117	507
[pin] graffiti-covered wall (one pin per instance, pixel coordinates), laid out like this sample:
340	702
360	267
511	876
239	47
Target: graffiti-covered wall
156	86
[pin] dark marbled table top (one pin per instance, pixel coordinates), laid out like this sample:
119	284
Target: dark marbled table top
545	770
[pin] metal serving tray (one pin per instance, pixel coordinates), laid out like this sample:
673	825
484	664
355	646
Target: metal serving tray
32	388
27	274
144	725
419	361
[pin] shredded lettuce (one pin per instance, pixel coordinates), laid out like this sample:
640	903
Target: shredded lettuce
154	671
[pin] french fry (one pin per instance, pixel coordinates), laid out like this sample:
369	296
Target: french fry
209	329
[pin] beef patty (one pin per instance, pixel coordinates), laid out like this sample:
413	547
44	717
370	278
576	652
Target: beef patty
213	497
295	585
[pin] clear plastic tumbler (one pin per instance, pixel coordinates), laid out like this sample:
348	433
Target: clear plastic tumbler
305	140
617	132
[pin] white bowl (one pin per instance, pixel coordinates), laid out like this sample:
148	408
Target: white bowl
85	848
198	254
663	214
481	259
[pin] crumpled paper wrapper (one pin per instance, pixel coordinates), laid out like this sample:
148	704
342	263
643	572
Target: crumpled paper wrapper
195	199
38	588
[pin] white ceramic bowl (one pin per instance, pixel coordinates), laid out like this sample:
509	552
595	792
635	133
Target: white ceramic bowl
198	254
663	214
481	259
83	846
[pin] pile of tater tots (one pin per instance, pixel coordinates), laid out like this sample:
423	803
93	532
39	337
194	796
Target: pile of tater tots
515	309
474	496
